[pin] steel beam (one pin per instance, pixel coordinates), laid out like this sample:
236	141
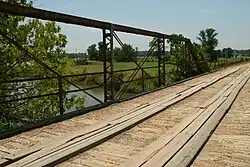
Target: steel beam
161	61
70	19
188	55
60	91
108	66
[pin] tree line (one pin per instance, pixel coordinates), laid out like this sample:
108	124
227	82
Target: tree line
126	53
207	43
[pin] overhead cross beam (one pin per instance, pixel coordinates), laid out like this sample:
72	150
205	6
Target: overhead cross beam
76	20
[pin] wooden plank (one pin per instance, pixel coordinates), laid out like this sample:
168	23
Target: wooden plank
154	147
92	128
3	162
121	127
102	127
170	150
85	131
76	134
175	144
211	100
4	152
70	135
85	144
112	131
187	154
162	158
166	153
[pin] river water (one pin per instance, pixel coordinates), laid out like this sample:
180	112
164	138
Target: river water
89	101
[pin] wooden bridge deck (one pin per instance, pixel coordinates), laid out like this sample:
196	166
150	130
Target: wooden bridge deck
228	146
230	143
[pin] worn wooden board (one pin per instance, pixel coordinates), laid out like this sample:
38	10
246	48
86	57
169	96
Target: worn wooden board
70	136
162	141
154	147
93	130
187	154
211	100
127	124
169	151
88	131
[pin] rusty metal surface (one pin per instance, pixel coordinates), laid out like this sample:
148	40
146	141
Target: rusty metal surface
70	19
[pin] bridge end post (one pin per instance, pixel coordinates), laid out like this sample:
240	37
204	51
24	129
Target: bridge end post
108	66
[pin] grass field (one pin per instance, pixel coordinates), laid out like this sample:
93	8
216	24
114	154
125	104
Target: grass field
136	85
97	66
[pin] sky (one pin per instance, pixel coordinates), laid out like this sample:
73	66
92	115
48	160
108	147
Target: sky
230	18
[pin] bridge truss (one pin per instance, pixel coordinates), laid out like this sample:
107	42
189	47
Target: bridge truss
109	35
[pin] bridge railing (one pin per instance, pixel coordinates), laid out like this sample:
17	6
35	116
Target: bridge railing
114	83
60	93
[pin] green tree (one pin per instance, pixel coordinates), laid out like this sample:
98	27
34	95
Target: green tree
127	53
153	43
227	52
218	53
199	49
46	43
101	51
117	52
209	42
92	52
178	59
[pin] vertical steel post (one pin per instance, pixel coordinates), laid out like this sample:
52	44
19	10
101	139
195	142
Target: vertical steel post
161	61
189	61
104	55
60	91
142	77
184	72
108	66
112	85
